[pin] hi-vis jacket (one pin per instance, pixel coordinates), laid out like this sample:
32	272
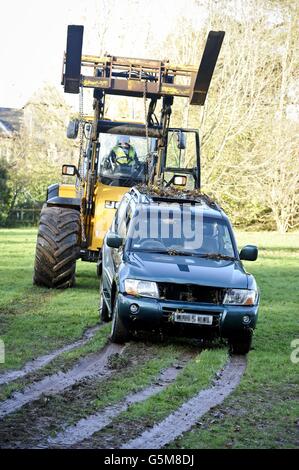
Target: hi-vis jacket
124	156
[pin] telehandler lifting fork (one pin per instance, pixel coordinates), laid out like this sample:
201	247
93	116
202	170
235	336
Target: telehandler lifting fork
76	217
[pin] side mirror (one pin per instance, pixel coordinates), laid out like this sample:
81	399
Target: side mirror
179	180
113	240
249	253
72	129
181	140
69	170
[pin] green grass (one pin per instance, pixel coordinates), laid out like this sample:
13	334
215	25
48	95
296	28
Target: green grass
263	412
142	363
62	362
196	376
129	379
33	320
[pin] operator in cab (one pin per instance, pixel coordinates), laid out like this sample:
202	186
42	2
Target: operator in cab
123	153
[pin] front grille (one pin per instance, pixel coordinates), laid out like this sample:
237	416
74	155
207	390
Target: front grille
191	293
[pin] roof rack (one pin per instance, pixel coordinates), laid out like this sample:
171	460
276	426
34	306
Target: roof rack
173	195
127	76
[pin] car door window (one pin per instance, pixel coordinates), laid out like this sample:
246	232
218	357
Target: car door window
225	241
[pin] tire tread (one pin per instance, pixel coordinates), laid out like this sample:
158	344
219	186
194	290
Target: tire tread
57	247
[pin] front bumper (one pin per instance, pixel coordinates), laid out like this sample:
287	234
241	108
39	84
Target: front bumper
156	314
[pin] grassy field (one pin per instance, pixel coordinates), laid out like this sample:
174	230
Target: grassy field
34	320
262	412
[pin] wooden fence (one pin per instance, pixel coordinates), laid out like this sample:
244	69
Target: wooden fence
24	217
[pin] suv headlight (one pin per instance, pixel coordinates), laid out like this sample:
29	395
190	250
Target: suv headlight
141	288
240	297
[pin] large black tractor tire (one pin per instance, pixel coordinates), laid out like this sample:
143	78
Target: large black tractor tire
57	247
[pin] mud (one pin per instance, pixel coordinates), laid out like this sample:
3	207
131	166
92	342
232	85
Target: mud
86	427
187	415
91	366
32	425
42	361
176	194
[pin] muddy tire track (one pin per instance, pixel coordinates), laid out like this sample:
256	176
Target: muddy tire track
32	426
86	427
91	366
42	361
186	416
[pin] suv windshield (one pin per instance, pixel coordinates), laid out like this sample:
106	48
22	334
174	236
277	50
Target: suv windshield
180	231
122	160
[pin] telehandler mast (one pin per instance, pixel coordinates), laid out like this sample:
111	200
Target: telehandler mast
76	217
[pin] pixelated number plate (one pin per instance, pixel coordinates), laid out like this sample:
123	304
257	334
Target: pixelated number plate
192	318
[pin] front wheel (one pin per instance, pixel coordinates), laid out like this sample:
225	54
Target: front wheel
119	333
103	309
242	344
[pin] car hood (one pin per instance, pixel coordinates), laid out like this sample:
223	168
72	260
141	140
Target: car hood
184	270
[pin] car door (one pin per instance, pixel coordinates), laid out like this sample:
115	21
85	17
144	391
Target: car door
112	256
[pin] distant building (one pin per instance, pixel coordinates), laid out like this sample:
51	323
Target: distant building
11	121
43	120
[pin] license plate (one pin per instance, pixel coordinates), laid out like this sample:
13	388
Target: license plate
192	318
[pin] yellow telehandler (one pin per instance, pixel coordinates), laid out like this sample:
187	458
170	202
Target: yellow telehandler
115	156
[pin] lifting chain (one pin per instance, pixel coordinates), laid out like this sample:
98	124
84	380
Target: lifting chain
145	119
80	181
149	156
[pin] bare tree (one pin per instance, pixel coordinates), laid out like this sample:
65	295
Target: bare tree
244	124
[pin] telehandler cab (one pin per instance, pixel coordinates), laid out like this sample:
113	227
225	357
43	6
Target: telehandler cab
76	217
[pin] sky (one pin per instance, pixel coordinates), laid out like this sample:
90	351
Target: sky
33	36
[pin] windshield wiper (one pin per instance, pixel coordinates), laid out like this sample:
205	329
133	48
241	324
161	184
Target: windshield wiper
217	256
158	252
173	252
169	252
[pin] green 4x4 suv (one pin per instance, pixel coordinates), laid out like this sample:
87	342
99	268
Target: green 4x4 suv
172	264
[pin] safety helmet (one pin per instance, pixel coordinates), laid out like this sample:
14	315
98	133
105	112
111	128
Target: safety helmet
123	139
